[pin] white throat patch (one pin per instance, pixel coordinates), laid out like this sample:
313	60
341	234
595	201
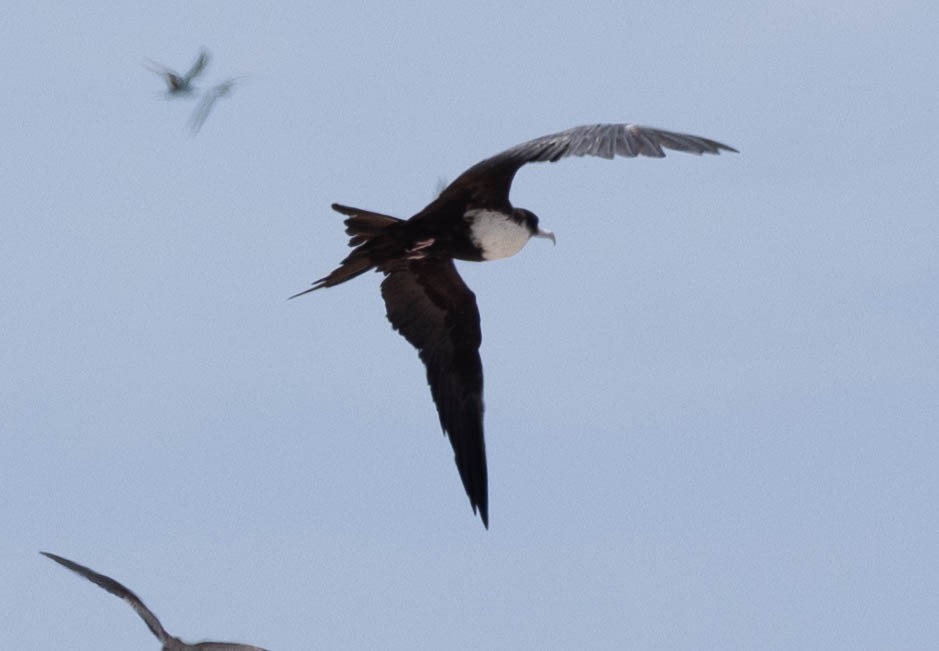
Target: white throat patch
497	235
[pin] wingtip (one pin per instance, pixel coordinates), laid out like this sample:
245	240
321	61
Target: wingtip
483	511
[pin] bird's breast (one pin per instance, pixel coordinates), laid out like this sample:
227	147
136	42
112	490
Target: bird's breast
495	233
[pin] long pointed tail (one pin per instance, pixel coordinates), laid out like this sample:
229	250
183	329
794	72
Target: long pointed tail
372	245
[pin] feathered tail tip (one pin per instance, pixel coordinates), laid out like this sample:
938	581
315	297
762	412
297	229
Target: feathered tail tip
357	263
306	291
363	227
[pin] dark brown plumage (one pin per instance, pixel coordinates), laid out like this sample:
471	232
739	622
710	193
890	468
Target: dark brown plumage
471	219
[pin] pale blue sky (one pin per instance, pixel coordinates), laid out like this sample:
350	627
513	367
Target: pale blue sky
712	408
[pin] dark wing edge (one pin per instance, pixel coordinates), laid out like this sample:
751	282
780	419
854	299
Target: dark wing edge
117	590
490	179
225	646
429	305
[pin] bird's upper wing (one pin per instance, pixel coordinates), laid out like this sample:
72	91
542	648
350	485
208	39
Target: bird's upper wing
489	180
431	306
118	590
197	67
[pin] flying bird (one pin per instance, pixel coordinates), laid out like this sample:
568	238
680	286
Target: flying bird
472	219
209	97
169	642
180	85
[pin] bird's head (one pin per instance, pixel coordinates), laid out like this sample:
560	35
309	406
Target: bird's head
530	220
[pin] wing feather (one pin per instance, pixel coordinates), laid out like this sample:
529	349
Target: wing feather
430	305
225	646
489	180
118	590
197	67
204	107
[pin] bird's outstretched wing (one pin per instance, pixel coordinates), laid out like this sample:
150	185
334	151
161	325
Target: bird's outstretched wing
174	83
197	67
489	180
223	646
431	306
118	590
201	112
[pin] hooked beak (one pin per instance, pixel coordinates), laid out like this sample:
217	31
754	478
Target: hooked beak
548	235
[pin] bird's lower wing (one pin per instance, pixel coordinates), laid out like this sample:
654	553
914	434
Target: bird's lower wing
201	112
431	306
225	646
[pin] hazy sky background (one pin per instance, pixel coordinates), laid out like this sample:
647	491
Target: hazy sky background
712	408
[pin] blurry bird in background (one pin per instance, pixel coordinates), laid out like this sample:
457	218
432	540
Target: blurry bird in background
179	86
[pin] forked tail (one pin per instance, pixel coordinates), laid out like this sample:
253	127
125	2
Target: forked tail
373	245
